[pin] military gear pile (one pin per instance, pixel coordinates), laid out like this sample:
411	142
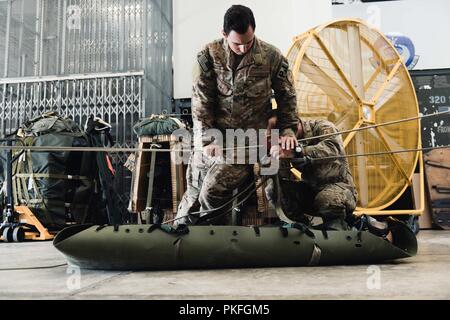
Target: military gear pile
157	125
58	186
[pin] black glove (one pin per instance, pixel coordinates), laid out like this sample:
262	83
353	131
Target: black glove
301	162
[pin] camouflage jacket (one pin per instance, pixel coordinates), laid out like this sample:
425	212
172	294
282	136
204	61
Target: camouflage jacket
226	99
328	171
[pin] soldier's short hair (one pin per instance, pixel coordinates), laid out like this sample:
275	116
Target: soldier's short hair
238	18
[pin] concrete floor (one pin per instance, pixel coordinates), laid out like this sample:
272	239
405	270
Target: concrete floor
425	276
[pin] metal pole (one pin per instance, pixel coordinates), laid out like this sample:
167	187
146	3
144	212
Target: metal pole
21	69
105	40
9	188
143	80
58	42
2	111
81	48
41	43
23	63
63	40
116	29
121	27
72	77
8	29
36	39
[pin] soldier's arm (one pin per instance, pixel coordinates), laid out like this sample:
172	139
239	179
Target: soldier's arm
204	95
283	87
327	147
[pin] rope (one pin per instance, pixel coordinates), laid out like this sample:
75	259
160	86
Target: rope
226	204
33	268
375	126
151	149
168	150
264	179
378	153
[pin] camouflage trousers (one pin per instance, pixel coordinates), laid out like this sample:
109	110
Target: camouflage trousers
210	184
330	201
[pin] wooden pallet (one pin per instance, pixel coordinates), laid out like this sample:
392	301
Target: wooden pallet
141	169
257	213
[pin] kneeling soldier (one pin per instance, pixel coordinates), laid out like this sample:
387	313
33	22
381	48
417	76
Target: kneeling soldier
326	188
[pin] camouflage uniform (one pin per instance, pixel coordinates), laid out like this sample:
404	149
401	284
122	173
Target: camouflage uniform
327	189
234	98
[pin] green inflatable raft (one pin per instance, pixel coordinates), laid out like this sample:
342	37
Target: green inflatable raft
161	247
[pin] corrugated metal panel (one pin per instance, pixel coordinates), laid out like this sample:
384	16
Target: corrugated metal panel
111	58
69	37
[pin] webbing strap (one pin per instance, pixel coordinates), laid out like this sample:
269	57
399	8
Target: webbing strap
315	256
30	169
17	194
324	232
34	201
178	255
51	176
20	185
22	190
182	229
359	236
53	202
299	226
284	231
278	209
151	178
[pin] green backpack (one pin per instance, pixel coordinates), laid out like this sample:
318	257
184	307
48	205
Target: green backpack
157	125
58	186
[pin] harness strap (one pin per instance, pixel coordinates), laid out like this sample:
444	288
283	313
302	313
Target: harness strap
278	209
182	229
315	256
284	231
51	176
299	226
177	245
33	181
359	236
324	231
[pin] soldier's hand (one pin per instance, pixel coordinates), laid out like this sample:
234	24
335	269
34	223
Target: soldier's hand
212	150
275	152
278	153
288	142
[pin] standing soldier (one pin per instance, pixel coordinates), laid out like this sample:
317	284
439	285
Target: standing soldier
234	80
326	188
